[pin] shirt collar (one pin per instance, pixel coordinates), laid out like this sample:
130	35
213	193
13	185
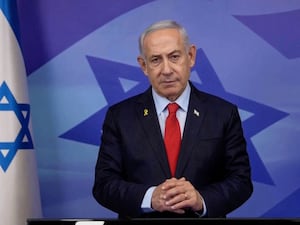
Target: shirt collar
162	102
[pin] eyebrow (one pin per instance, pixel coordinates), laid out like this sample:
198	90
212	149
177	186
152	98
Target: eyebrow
171	53
175	51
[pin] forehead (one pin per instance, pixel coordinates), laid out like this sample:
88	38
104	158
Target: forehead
163	41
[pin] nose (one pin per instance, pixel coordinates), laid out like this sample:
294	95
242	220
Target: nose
166	67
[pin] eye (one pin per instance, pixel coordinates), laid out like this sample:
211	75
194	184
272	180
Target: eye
155	60
174	57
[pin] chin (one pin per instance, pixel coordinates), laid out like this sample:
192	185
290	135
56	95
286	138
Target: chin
172	96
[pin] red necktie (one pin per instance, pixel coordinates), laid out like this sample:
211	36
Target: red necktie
172	137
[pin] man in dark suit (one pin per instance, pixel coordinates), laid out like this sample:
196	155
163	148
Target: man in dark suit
134	176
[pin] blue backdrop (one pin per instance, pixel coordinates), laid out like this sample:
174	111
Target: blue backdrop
81	57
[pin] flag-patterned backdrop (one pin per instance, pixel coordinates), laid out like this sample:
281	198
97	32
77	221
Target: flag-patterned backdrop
80	57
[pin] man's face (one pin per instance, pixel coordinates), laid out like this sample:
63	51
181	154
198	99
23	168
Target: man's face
167	63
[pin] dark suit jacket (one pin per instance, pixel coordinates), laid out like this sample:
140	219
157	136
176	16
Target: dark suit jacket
132	155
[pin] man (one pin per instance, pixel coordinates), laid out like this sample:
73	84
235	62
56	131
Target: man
134	176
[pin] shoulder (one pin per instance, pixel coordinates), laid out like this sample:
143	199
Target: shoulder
210	99
132	102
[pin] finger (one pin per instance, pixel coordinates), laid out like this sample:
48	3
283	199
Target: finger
175	199
186	202
191	201
181	205
168	184
175	187
178	211
171	183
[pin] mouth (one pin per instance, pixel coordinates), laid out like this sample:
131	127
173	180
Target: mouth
169	82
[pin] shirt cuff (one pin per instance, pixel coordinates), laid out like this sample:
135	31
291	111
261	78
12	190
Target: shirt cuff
146	203
204	210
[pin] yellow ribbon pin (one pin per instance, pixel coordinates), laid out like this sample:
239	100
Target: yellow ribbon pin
146	112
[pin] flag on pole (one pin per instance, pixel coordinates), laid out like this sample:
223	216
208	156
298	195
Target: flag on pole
19	186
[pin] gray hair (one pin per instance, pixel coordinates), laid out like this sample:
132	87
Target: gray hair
164	24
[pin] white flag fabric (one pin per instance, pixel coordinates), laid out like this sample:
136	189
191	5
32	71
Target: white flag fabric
19	186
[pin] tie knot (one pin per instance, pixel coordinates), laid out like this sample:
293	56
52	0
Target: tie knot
173	107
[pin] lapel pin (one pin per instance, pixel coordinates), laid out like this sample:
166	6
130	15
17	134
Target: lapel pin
146	112
196	112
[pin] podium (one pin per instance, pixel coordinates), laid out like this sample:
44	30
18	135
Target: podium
180	221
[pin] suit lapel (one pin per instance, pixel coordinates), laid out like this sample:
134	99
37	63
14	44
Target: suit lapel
195	115
148	118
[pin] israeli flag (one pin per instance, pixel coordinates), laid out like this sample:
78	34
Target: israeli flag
19	187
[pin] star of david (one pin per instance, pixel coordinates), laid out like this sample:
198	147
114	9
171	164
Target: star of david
119	81
23	141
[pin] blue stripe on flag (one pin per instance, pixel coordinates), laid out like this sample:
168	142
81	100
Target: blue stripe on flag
10	10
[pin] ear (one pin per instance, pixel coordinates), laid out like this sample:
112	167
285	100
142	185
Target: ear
192	55
143	64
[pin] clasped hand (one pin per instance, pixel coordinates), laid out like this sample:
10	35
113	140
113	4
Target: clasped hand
176	195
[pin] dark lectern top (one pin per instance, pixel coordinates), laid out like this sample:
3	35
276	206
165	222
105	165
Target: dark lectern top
181	221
